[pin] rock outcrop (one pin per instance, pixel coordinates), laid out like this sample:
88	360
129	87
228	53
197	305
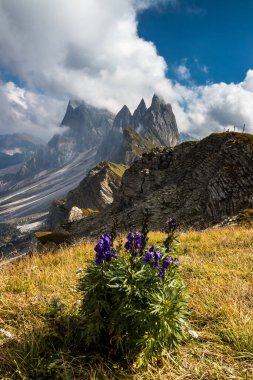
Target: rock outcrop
198	183
95	191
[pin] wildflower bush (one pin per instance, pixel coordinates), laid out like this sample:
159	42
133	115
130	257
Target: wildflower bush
134	298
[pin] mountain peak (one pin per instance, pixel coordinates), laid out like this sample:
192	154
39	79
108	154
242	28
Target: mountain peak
139	113
123	118
74	103
156	102
124	110
141	109
142	105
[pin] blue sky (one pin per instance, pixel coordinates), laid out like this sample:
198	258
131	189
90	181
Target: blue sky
195	54
213	38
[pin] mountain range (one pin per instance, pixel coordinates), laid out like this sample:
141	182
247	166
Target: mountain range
89	136
135	162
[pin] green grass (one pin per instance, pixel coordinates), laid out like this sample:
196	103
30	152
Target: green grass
88	211
118	169
217	267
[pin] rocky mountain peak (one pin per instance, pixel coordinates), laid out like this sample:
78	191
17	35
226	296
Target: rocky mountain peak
154	126
160	123
140	110
156	103
123	118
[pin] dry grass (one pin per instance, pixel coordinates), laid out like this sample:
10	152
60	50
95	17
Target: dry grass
217	266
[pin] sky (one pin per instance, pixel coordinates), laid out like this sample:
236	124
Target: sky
196	54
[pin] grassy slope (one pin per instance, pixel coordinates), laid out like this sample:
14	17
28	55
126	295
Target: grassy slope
217	267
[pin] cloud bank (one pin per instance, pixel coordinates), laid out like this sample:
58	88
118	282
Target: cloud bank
91	50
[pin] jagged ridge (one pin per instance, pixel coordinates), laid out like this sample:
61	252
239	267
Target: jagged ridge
198	183
95	191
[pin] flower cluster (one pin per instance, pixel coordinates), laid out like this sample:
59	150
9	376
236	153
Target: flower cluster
166	263
104	250
134	243
151	255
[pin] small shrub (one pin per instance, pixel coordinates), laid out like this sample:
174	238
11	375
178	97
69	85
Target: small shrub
134	298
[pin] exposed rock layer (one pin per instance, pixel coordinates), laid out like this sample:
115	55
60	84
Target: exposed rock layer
198	183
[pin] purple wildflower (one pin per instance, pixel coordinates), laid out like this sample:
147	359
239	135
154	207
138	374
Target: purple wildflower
104	250
157	259
165	265
134	242
152	254
149	255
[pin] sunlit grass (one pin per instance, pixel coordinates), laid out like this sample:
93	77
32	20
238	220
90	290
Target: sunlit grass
217	265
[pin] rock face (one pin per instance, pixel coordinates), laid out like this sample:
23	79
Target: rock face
87	127
158	123
155	125
198	183
75	214
96	191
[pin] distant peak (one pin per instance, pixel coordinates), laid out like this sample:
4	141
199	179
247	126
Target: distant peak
74	103
140	111
142	106
124	112
123	118
156	102
125	109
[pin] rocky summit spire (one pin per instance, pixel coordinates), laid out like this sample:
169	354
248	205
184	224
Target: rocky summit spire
141	109
123	119
156	102
159	123
138	114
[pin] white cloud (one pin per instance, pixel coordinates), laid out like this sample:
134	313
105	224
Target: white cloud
86	49
23	110
183	72
217	106
91	50
144	4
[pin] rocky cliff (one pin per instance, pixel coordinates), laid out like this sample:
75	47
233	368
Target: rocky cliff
198	183
95	191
